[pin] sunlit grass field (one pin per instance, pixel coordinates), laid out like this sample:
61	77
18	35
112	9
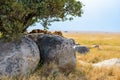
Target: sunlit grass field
109	45
109	48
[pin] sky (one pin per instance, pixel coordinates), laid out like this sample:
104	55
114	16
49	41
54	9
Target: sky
98	15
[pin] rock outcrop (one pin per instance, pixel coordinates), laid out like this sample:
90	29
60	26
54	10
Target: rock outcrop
18	57
56	49
108	63
114	62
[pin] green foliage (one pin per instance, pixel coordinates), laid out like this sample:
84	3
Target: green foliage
17	15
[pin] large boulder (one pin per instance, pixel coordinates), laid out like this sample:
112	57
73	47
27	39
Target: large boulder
56	49
18	57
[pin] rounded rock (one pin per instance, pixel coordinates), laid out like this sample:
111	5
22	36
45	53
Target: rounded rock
56	49
18	57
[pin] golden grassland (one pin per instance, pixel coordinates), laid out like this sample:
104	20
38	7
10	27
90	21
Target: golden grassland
109	48
109	45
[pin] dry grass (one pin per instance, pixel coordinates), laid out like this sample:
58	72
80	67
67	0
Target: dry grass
109	45
111	39
109	48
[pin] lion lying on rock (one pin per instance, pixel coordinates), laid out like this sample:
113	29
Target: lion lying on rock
46	32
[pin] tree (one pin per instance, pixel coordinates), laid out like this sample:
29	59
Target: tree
17	15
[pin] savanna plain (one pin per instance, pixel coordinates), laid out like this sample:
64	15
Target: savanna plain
109	47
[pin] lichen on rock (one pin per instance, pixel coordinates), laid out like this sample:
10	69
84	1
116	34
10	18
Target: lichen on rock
18	57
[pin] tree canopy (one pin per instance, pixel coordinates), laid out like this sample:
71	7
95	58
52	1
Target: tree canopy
17	15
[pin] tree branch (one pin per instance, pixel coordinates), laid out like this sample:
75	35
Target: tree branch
26	19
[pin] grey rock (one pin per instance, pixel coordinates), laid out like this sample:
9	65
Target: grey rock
79	48
114	62
72	41
56	49
18	57
108	63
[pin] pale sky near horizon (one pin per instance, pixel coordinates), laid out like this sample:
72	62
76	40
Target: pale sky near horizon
99	15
